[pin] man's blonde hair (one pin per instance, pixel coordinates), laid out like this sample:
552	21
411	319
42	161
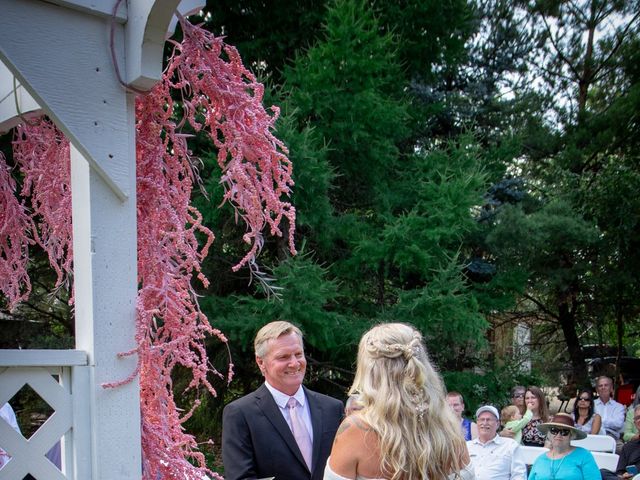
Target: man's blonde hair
272	331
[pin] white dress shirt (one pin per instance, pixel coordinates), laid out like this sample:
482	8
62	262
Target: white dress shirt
281	400
7	415
496	459
612	414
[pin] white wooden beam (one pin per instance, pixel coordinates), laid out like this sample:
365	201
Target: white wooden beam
63	58
42	358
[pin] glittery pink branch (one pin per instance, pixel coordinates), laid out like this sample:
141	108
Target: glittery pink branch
15	226
222	99
226	100
43	154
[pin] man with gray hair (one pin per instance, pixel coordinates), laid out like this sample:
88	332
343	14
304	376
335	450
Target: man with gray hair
611	412
494	457
282	429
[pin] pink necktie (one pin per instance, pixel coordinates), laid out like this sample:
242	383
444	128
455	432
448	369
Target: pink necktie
300	432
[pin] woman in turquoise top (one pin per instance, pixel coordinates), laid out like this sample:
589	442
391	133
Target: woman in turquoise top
563	461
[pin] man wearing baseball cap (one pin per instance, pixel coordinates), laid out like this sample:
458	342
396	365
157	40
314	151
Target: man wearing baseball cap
494	457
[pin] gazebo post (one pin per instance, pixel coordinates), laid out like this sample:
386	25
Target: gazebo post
104	245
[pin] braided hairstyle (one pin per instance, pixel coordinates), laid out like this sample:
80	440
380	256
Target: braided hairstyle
404	403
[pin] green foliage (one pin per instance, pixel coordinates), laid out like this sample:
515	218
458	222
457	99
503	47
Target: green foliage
348	86
447	313
492	387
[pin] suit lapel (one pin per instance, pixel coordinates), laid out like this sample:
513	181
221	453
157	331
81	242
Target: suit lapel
269	407
317	413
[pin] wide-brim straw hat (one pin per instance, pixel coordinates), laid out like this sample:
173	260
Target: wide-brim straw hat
563	420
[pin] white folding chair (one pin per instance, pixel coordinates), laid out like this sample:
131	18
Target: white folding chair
606	460
528	455
596	443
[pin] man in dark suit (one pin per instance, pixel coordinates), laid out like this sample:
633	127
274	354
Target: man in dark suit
281	430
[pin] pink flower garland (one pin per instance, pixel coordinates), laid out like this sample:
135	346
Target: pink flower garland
224	99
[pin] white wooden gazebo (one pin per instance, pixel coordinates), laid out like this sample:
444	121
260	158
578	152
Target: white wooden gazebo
56	58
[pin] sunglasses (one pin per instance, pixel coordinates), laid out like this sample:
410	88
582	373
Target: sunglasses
518	395
559	431
586	399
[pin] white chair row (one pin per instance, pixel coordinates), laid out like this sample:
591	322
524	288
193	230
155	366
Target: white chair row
603	459
597	443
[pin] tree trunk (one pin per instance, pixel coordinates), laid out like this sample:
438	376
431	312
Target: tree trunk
567	320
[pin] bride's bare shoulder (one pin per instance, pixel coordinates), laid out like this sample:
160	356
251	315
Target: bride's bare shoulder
354	430
355	449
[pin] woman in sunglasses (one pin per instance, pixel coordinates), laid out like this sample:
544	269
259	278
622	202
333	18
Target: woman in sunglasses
564	461
584	415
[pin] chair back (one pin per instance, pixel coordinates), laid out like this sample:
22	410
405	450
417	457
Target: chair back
528	455
606	460
596	443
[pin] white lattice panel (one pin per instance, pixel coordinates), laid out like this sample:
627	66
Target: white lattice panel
68	396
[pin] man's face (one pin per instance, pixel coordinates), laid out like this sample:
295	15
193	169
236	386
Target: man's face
456	405
487	426
604	389
284	364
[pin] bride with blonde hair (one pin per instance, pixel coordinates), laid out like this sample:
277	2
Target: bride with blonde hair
405	429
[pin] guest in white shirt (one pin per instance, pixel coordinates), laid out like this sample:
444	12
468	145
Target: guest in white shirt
611	412
7	414
492	456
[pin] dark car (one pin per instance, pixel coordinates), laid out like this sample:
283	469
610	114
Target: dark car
629	371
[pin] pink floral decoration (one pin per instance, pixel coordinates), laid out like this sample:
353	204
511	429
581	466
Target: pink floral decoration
225	98
43	154
222	98
15	225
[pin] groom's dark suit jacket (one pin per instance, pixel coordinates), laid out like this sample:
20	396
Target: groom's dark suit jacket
258	443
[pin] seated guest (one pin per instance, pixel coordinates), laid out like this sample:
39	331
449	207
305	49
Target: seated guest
517	398
629	455
353	404
564	461
469	428
536	402
492	456
513	420
7	414
630	429
612	412
584	414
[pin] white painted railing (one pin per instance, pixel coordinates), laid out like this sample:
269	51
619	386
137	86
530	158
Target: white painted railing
62	379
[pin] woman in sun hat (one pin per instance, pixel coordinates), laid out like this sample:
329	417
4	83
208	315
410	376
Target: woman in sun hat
564	461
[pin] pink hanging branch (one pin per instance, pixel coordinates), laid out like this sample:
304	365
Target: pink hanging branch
43	154
224	98
15	227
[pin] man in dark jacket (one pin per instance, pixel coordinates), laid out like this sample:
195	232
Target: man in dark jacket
629	456
281	430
